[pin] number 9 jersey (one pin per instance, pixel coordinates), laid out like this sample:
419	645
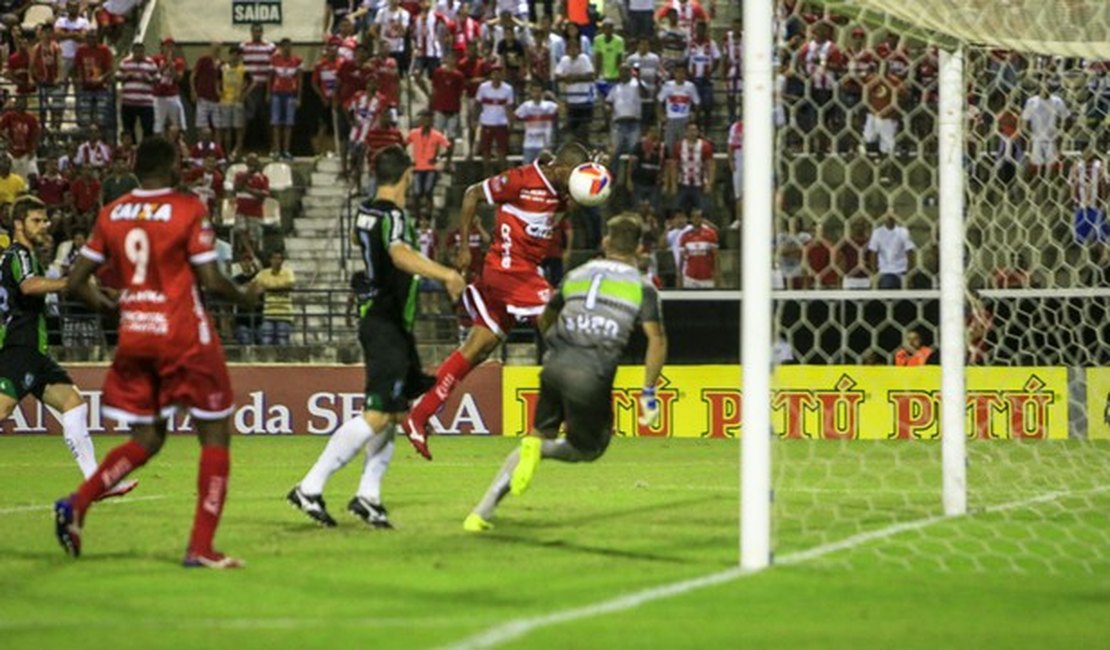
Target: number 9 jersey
169	352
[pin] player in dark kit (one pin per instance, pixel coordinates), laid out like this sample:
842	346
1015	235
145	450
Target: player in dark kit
587	326
25	366
394	376
169	356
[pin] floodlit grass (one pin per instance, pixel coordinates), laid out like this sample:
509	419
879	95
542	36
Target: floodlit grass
651	512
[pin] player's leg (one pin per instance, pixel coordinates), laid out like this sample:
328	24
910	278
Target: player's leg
212	479
64	398
367	503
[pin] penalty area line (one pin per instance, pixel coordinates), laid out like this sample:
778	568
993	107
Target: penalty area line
517	628
118	501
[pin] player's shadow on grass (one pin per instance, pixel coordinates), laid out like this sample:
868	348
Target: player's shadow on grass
610	515
564	545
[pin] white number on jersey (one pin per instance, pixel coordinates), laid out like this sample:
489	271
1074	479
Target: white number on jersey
137	247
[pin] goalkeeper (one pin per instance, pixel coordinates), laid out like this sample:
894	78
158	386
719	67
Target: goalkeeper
587	326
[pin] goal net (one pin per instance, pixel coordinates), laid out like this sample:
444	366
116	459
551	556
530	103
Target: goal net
859	287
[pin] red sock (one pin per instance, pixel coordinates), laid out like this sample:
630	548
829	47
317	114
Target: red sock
450	373
119	462
215	463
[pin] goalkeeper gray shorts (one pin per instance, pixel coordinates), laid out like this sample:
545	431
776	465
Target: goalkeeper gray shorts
579	395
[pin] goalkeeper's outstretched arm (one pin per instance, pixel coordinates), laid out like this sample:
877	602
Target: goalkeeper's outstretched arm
656	355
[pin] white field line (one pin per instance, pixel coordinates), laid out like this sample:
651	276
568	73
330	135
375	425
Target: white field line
517	628
117	501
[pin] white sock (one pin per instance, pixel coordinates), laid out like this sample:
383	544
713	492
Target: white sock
347	441
379	451
75	428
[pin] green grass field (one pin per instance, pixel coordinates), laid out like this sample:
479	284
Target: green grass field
1032	569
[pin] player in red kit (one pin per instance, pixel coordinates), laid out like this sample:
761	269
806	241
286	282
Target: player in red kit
511	288
159	243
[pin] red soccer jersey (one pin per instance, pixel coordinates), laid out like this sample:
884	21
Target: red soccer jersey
246	203
526	207
692	159
389	80
151	240
169	76
448	87
352	79
202	150
325	74
286	73
86	194
699	248
21	130
207	76
52	190
207	185
93	63
475	70
19	69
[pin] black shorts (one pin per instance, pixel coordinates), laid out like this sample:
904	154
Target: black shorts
25	370
394	376
579	393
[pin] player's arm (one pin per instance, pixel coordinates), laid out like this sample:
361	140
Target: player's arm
216	283
411	261
80	285
473	196
550	312
37	285
651	316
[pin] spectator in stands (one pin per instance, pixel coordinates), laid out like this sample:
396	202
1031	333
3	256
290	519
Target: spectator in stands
19	132
1089	180
67	163
389	76
513	55
703	57
337	12
384	133
429	30
820	269
363	108
19	66
204	86
167	88
448	88
860	65
70	30
673	39
819	62
125	150
645	164
46	69
252	188
95	74
257	55
94	151
137	75
851	256
285	97
790	244
247	319
234	86
736	166
1046	116
914	352
892	252
112	15
475	68
624	106
883	92
119	181
52	186
641	19
698	245
645	66
608	57
391	25
692	170
679	98
277	282
207	182
678	222
541	61
576	73
85	191
12	185
325	83
538	115
579	16
205	146
732	69
688	12
495	97
427	145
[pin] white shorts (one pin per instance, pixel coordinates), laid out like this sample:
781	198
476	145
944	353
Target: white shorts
881	129
738	180
26	166
168	108
207	114
1042	152
230	116
691	283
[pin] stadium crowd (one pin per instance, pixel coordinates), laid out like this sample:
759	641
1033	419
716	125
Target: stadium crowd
657	84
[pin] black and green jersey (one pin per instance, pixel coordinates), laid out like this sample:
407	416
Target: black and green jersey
390	293
22	317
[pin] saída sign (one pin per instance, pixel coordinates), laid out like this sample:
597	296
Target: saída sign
247	12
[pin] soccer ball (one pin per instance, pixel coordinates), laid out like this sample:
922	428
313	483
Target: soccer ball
590	184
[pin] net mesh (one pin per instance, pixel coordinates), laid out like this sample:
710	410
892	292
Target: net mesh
857	187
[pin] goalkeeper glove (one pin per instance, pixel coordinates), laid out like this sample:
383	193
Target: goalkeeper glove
649	408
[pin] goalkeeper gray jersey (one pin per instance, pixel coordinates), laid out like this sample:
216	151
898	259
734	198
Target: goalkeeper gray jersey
599	304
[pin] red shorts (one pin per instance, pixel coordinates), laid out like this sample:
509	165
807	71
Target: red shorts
105	18
140	390
498	135
499	300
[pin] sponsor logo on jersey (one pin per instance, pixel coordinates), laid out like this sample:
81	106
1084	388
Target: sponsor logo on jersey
142	212
153	297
